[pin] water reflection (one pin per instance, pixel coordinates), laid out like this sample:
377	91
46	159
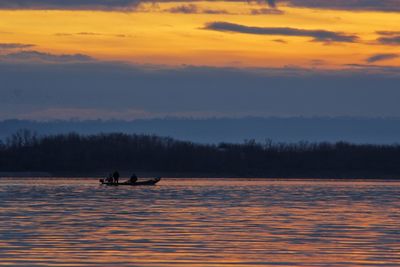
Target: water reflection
200	223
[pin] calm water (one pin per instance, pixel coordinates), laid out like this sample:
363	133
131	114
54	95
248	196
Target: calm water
200	223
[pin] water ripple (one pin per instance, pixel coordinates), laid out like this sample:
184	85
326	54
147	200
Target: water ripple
199	223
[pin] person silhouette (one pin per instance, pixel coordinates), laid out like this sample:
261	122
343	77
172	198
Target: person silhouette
116	177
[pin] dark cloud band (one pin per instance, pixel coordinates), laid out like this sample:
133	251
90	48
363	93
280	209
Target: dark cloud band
366	5
193	9
381	57
14	45
70	4
277	92
390	40
36	56
317	35
380	5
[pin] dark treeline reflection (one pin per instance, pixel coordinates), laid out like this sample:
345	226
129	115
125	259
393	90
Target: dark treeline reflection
69	153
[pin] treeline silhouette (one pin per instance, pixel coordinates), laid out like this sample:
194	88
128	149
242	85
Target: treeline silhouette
73	153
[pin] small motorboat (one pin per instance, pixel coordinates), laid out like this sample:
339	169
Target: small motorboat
147	182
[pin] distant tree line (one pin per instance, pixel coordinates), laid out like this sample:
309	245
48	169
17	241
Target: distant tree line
69	153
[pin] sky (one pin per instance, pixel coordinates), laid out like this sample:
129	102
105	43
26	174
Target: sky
129	59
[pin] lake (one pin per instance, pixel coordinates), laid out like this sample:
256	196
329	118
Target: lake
200	222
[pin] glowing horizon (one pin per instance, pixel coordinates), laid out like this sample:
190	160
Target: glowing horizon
139	59
175	33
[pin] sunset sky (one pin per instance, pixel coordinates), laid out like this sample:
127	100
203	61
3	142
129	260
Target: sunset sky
136	59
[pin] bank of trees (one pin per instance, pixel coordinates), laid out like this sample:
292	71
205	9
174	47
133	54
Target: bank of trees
70	153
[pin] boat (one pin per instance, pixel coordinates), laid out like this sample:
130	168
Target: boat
153	181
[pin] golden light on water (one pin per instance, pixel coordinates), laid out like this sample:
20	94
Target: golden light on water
200	223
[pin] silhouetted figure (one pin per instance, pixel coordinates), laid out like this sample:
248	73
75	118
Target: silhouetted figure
109	178
116	176
133	179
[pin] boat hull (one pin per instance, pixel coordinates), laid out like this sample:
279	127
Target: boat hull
148	182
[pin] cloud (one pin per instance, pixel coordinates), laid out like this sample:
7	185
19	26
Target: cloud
14	45
280	41
215	11
115	88
389	37
92	34
193	9
89	33
266	11
361	5
388	33
127	5
317	35
85	114
35	56
185	9
389	40
104	5
70	4
381	57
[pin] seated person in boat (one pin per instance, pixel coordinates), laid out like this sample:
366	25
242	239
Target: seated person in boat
109	178
133	179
